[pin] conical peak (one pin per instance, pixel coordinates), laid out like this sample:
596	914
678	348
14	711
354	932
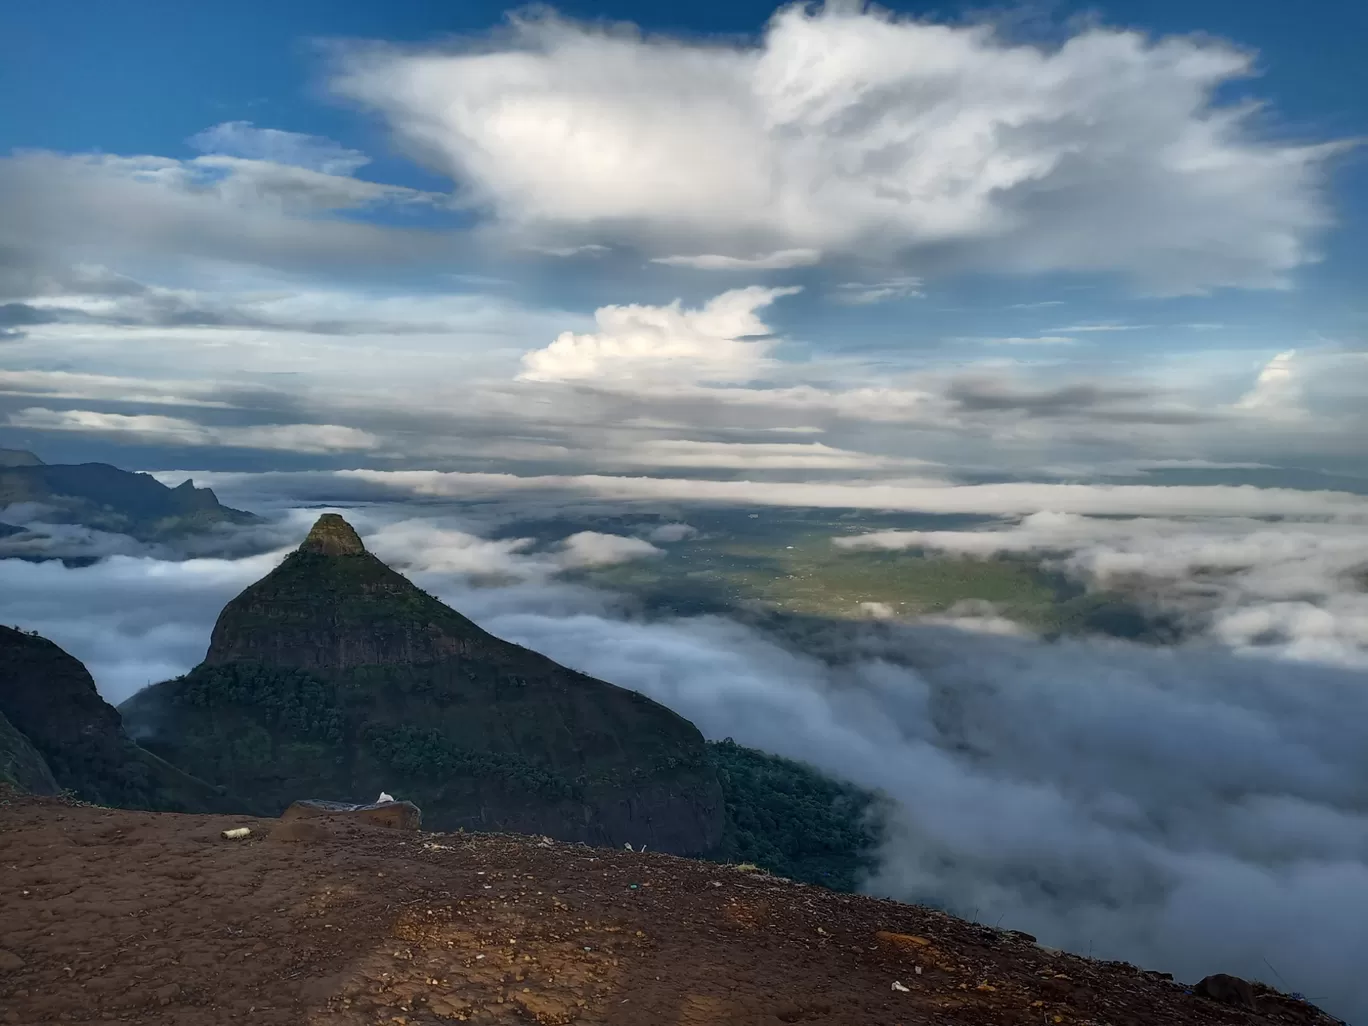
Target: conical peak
332	536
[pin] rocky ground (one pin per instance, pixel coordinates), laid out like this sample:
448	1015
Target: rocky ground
112	916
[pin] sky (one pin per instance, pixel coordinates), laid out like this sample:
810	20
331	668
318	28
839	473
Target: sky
1047	239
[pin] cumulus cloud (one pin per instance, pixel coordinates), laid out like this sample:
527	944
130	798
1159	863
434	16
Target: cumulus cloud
853	131
668	533
307	438
663	343
592	548
438	548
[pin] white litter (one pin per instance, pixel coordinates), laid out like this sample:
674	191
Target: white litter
898	986
385	796
236	834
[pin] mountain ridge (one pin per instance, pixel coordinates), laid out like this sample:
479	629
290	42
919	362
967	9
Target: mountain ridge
108	498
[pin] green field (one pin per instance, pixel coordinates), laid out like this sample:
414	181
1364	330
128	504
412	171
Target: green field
785	561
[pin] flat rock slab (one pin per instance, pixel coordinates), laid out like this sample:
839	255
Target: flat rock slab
395	815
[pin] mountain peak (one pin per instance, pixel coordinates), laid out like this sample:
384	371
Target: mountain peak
332	536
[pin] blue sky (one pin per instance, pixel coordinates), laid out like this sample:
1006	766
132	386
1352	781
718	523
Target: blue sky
959	220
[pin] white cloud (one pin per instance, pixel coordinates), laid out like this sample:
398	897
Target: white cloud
756	456
206	212
309	438
243	139
591	548
862	133
667	533
1297	588
70	385
858	293
1277	391
589	249
663	344
778	260
436	548
927	495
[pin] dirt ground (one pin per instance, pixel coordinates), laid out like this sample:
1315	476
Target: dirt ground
114	917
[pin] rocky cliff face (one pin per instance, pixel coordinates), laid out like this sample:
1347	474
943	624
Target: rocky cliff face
22	765
49	698
335	677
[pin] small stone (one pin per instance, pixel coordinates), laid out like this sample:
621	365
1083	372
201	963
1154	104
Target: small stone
10	962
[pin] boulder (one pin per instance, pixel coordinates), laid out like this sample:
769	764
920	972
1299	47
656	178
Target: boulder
1228	990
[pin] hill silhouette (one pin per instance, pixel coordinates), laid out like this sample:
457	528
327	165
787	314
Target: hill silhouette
335	677
109	499
21	764
49	702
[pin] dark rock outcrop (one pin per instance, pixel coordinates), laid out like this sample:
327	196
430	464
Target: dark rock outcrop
1227	989
49	697
23	765
336	676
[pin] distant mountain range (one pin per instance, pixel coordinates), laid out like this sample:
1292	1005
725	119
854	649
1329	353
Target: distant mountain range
106	498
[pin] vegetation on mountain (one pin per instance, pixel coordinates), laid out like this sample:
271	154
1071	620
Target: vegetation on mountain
109	499
49	698
335	677
790	819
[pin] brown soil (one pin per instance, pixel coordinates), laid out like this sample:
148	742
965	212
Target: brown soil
113	916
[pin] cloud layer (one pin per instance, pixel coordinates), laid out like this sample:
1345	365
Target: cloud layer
862	133
1299	588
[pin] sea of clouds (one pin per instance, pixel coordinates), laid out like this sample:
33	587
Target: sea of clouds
1199	808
